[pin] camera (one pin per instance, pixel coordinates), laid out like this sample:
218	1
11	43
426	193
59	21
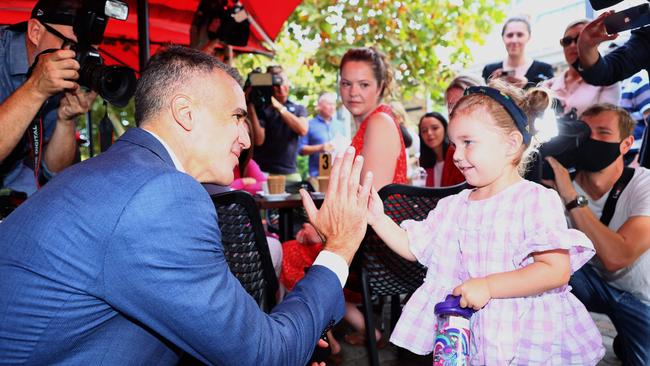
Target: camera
116	84
564	147
261	87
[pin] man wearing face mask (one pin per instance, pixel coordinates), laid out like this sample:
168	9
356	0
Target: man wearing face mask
610	203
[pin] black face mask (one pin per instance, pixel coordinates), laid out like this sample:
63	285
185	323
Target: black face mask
597	155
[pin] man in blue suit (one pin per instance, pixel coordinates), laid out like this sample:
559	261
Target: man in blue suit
119	261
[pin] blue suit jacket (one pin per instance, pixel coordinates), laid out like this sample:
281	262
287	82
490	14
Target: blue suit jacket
118	261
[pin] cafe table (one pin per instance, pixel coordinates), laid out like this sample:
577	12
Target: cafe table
285	203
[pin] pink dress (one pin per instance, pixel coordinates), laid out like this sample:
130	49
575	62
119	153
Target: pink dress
499	234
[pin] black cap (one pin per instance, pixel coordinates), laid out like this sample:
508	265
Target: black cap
56	11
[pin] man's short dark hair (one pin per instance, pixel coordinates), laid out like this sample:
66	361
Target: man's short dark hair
166	72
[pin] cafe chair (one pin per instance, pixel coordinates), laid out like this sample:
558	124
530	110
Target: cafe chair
246	251
383	272
245	246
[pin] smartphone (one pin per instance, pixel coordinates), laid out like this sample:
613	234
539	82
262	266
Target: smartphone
632	18
506	73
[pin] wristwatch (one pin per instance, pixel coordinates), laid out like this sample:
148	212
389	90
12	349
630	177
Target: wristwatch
580	201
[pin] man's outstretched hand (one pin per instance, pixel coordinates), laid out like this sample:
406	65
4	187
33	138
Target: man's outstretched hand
342	219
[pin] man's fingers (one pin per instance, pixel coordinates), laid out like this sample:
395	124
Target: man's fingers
463	302
344	174
66	74
355	178
322	343
334	177
552	162
335	173
61	55
601	17
310	207
549	183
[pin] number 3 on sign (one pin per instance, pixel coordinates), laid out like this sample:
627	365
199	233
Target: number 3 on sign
325	164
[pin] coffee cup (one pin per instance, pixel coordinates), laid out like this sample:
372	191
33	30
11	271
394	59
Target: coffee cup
323	183
276	184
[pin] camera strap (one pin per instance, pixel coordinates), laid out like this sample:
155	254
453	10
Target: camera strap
35	133
614	194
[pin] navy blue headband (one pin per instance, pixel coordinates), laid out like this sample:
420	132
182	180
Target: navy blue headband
511	107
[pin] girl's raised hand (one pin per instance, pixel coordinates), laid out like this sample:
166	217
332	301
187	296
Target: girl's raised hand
375	207
474	293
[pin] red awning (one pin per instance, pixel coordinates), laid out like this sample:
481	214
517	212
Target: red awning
169	22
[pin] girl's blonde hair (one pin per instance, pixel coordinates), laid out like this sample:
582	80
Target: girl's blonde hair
533	102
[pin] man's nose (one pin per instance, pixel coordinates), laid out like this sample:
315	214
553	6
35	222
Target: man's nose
244	137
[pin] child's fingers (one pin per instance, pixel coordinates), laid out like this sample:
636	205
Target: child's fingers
457	291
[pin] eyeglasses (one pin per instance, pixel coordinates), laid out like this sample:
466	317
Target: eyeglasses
66	41
566	41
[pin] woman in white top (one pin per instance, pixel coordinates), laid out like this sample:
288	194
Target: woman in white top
517	69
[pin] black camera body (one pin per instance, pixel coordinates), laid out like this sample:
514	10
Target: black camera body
565	147
116	84
261	87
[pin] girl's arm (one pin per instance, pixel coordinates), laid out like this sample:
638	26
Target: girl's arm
393	235
550	270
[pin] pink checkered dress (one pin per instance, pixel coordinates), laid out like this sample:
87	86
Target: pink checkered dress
463	239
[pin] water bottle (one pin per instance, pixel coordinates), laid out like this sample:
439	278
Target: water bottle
452	343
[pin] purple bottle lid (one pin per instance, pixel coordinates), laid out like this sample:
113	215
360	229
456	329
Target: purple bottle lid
451	306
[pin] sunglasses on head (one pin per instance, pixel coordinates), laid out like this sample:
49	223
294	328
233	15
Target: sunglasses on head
566	41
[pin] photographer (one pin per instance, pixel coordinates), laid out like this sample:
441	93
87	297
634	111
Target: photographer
277	129
51	85
623	62
611	205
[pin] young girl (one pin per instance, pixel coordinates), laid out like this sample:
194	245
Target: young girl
504	246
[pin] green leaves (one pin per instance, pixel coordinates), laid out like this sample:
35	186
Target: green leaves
426	41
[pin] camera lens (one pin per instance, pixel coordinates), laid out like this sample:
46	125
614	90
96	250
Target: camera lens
116	84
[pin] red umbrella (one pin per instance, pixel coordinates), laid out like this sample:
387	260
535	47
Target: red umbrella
169	22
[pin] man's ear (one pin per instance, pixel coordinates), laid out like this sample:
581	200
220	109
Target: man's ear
626	144
182	111
35	31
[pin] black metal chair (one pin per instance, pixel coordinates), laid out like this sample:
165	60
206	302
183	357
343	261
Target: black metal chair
385	273
245	246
